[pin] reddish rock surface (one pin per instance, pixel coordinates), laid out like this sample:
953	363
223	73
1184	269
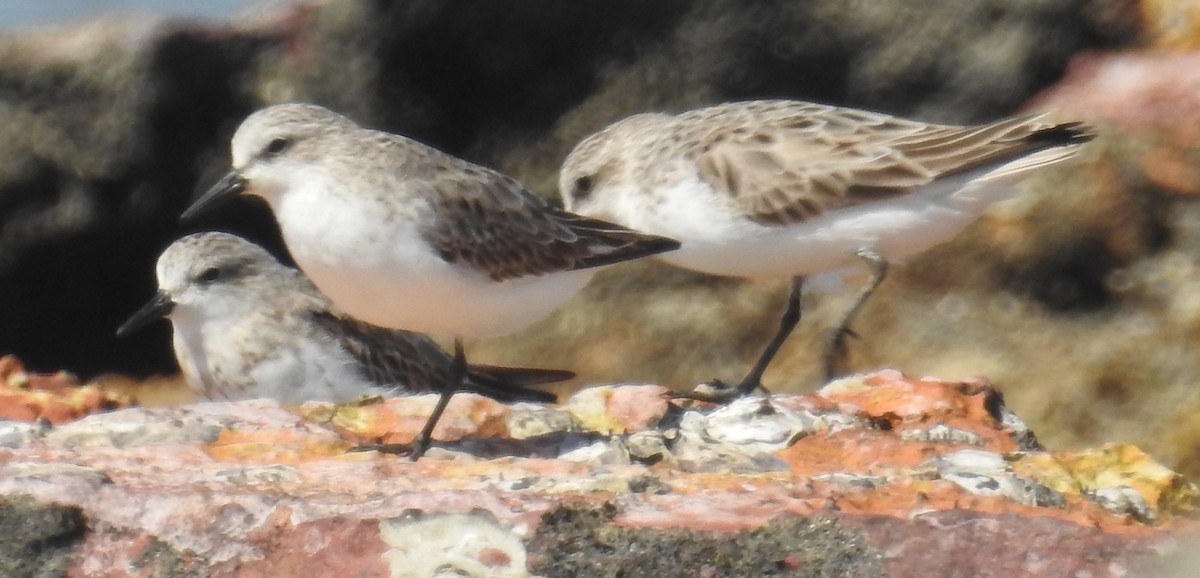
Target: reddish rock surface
1087	282
55	397
875	475
1153	96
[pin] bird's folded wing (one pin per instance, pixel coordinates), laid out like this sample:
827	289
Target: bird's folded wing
489	222
413	363
796	161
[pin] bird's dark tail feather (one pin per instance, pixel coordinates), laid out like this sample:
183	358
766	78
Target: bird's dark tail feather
1062	134
509	384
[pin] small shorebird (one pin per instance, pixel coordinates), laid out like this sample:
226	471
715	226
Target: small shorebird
246	327
787	188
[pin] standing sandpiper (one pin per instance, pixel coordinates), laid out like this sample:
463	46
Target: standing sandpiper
402	235
787	188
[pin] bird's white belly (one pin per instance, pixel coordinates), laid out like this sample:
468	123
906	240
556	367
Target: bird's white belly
443	300
725	244
400	283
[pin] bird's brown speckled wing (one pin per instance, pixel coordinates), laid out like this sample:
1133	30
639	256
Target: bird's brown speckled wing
414	363
490	223
785	162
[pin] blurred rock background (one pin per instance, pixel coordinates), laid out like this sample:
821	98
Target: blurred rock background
1080	298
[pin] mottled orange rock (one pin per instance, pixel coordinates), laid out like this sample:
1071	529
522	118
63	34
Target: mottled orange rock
279	446
619	409
1172	169
912	405
54	397
861	472
1153	96
399	420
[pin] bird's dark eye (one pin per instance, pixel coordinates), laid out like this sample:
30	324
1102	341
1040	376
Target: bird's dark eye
208	275
583	188
278	145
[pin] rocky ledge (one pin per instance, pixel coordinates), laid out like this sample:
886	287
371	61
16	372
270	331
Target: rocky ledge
874	475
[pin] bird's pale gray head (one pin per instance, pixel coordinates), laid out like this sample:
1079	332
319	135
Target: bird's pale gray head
599	164
283	138
218	273
275	147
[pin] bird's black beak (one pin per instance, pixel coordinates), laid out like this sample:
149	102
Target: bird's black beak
231	185
159	306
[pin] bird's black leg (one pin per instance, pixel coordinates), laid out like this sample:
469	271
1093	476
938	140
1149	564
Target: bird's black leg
753	380
835	349
457	381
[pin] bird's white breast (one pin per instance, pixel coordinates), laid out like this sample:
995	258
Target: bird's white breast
188	342
373	262
254	356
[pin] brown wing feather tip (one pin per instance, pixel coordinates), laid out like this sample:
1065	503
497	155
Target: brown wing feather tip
642	246
604	243
413	363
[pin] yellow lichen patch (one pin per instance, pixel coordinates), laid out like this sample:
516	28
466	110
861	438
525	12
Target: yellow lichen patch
1048	470
1116	465
590	406
618	410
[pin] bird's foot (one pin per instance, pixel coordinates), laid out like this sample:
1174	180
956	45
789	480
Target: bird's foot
393	449
719	392
413	450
